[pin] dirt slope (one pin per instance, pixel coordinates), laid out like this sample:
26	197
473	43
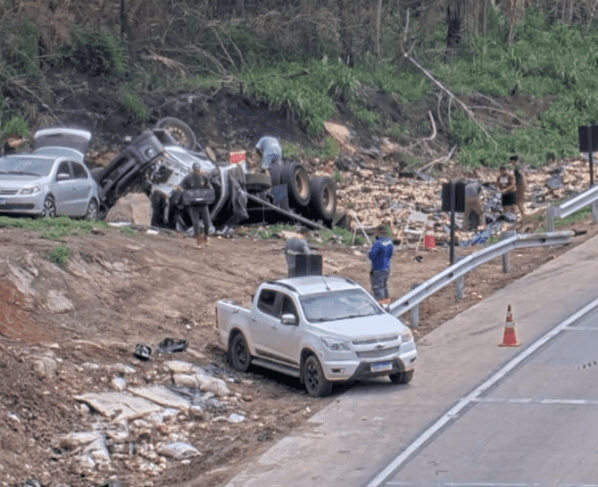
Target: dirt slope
63	330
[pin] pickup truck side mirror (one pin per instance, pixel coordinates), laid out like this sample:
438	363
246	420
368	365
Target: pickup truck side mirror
288	319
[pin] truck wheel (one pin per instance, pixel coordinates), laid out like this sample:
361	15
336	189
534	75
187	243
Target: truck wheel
402	377
313	375
257	182
179	130
239	353
295	177
95	173
322	204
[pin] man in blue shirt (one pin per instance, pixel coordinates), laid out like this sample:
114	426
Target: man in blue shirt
381	255
270	151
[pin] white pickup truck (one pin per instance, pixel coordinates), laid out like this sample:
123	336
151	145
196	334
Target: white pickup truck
321	329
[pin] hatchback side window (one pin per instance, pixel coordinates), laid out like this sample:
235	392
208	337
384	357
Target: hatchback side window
266	302
64	169
79	171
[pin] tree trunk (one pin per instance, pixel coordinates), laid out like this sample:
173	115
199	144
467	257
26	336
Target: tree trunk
485	17
346	34
378	18
454	22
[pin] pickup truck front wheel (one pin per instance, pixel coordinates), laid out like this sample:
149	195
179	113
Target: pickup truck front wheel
239	353
402	377
313	375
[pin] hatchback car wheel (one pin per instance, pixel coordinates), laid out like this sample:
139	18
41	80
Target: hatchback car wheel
92	211
313	375
49	208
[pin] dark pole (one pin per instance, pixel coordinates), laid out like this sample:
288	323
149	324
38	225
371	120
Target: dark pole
590	150
453	197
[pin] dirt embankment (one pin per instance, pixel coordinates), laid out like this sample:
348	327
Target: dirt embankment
65	332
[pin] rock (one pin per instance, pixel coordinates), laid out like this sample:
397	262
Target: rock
118	383
120	405
45	367
133	207
555	182
186	380
162	396
179	451
214	385
74	440
57	303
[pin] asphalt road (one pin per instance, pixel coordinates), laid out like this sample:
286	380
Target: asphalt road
476	414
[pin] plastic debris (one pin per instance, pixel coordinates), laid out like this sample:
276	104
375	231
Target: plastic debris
236	418
179	451
142	352
168	345
119	384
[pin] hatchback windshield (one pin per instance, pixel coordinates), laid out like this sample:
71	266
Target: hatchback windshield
339	305
26	166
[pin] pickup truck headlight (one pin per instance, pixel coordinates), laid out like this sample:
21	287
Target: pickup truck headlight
32	190
406	335
334	344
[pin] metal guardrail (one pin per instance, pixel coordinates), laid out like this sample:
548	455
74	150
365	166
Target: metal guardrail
569	207
466	264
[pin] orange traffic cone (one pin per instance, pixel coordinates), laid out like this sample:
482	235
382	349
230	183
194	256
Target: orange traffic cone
509	337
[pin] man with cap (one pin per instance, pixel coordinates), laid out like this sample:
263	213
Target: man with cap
268	148
294	246
196	180
380	256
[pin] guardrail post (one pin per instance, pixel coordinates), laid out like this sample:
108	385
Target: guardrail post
595	211
506	262
414	312
550	214
460	283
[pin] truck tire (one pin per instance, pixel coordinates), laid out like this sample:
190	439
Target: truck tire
315	381
295	177
275	173
322	203
239	353
179	130
402	377
96	172
256	182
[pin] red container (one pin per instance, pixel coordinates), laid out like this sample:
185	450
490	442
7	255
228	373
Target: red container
236	157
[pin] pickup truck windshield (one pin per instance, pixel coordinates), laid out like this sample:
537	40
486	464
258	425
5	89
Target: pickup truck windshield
338	305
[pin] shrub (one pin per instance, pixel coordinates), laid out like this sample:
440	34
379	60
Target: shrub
98	53
59	255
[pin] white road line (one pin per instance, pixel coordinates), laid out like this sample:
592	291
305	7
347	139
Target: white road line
574	402
582	328
486	484
471	397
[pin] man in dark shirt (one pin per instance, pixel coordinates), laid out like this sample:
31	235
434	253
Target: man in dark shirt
506	184
380	256
196	180
520	183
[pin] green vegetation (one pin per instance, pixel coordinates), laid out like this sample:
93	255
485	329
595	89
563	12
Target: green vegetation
98	53
53	228
135	107
325	236
59	255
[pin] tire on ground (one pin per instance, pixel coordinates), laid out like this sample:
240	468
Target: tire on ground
295	177
313	375
239	353
322	203
179	130
256	182
402	377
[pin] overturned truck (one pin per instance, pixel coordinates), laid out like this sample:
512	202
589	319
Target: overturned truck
157	161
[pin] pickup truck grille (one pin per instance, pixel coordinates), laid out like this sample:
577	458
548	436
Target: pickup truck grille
378	353
369	341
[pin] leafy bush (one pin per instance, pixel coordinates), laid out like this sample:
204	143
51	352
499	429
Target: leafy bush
14	125
98	53
59	255
135	107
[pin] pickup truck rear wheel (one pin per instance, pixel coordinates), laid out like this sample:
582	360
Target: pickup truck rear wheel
179	130
239	353
402	377
313	375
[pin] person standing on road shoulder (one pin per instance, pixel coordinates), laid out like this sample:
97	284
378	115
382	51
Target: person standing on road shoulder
268	148
506	185
473	204
292	247
520	183
196	180
380	256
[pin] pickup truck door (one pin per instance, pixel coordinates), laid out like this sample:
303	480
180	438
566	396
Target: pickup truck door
286	339
267	330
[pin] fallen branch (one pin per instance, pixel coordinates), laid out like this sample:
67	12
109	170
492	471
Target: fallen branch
482	107
441	160
450	94
236	48
433	136
230	59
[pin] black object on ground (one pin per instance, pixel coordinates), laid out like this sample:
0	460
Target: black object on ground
142	352
168	345
555	182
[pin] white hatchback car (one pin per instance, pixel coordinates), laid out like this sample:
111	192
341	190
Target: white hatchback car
52	180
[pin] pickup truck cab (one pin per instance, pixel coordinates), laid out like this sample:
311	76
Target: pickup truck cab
321	329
